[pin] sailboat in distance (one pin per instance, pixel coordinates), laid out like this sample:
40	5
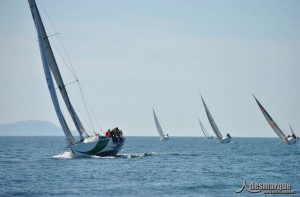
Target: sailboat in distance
207	136
285	139
292	131
225	139
108	145
160	131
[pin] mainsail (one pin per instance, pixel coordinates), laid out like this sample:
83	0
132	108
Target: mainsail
49	63
212	122
271	122
203	129
158	126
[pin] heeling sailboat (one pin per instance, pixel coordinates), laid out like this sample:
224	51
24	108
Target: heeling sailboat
207	136
159	129
286	139
214	126
87	145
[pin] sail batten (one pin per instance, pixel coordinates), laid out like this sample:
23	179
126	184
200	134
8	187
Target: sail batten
48	75
212	122
159	129
272	123
51	63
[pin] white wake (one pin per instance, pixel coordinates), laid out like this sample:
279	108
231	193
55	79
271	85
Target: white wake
64	155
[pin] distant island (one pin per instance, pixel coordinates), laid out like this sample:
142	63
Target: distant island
30	128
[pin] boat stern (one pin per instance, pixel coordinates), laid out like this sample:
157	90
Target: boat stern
292	140
226	140
99	147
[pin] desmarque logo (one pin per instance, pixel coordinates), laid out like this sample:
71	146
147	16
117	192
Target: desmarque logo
267	188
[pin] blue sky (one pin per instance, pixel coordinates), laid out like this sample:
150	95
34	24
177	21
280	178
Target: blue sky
131	56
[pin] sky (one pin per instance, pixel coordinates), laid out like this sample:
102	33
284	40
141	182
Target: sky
131	56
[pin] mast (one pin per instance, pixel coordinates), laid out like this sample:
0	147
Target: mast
292	130
212	122
49	79
51	63
158	125
272	123
203	129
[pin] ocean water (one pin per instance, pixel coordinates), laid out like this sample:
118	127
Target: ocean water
182	166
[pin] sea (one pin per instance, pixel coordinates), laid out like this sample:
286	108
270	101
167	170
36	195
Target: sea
147	166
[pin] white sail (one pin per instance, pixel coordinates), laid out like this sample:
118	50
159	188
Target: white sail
212	122
203	129
158	126
42	37
95	145
49	59
272	123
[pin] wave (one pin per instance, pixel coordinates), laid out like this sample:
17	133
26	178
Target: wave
64	155
99	157
137	155
69	155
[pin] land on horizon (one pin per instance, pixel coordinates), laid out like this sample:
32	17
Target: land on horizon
46	128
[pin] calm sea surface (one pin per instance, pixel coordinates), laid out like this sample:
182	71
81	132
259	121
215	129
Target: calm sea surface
182	166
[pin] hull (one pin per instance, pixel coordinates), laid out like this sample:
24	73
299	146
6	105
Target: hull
292	140
166	137
98	146
226	140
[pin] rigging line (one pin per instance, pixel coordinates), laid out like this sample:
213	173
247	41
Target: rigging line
67	54
73	101
63	113
71	70
84	94
69	66
74	75
61	43
68	84
71	83
86	108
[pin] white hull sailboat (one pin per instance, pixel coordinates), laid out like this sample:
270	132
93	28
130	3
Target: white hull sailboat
225	139
87	145
159	129
285	139
292	137
207	136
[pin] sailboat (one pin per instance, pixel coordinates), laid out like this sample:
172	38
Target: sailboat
285	139
160	131
207	136
225	139
87	145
